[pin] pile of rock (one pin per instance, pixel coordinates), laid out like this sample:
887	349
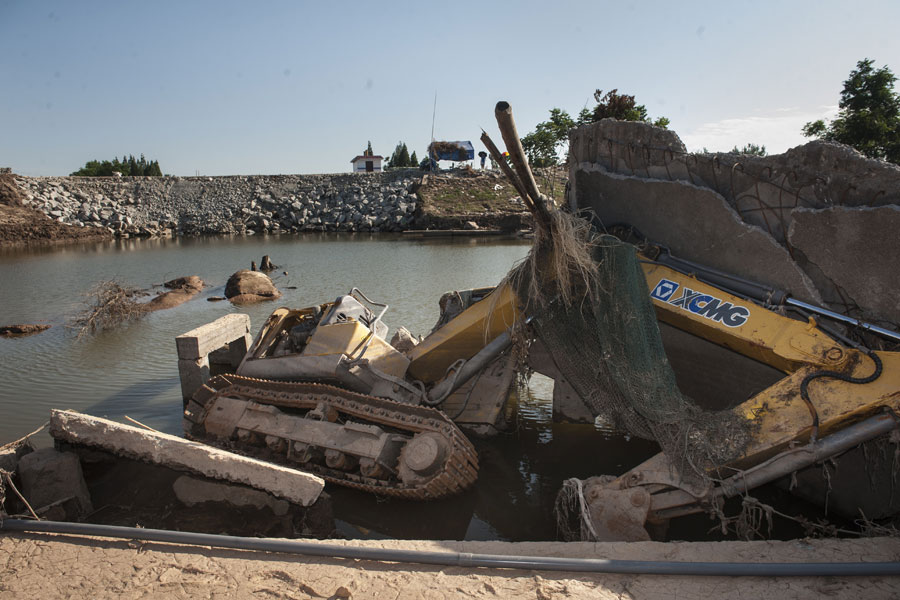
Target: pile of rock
152	206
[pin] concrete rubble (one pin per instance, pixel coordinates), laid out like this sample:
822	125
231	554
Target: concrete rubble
818	221
225	340
191	491
177	453
54	478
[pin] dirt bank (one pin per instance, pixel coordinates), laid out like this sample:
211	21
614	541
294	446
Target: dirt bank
451	199
58	566
20	226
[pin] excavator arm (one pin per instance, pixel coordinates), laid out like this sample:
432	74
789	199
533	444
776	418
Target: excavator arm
833	397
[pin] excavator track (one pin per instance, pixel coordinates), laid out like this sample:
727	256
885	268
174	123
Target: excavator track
457	472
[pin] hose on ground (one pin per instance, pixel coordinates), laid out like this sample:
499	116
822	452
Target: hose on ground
465	559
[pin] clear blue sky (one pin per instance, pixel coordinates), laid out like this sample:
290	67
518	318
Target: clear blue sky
299	87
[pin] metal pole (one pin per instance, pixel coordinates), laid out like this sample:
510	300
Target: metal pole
893	335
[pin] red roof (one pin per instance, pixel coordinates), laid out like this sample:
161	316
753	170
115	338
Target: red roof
359	157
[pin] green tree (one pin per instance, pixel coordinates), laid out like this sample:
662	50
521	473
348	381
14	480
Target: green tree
401	158
395	155
413	161
543	145
749	148
369	150
404	156
869	115
622	107
128	165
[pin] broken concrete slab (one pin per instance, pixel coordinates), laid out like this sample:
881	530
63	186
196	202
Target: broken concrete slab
696	223
50	477
174	452
199	342
855	250
227	338
192	491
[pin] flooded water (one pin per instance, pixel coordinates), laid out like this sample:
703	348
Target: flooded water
132	370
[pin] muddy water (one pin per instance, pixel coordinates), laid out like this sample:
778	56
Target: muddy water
132	371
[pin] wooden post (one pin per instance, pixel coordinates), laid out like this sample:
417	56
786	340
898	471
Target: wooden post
503	112
507	170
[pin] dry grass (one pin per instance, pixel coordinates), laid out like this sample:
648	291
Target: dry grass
559	265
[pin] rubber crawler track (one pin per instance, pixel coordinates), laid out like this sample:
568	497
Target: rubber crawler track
458	472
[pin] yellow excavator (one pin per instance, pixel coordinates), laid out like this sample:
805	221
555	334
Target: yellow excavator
321	388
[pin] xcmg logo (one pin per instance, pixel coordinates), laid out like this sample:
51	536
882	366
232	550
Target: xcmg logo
701	304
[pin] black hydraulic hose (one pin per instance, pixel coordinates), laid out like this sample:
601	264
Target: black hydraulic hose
465	559
804	387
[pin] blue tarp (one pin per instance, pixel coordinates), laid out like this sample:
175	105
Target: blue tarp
464	151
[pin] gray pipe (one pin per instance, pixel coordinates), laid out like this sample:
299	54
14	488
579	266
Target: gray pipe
789	461
799	458
465	559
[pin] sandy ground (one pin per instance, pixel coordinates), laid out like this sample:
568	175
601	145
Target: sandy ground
60	566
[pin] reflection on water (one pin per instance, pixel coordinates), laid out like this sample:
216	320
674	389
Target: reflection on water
519	475
132	370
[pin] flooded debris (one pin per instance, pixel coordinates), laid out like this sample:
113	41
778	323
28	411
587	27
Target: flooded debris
84	483
185	455
216	299
24	330
182	290
211	349
403	340
110	304
265	265
246	287
602	513
191	282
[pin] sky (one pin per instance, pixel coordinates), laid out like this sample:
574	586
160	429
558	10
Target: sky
227	88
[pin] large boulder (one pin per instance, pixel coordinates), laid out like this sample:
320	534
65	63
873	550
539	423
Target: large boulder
250	286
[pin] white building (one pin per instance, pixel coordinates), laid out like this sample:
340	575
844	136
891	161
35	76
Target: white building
367	163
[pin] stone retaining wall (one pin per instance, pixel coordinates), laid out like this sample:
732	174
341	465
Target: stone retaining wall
149	206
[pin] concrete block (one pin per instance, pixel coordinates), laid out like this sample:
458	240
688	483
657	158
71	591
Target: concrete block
232	353
49	476
177	453
193	373
199	342
696	223
856	250
191	491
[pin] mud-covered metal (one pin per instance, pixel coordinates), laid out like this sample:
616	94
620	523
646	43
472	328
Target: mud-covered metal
456	470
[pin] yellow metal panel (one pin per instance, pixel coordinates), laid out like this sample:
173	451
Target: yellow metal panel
782	416
465	335
738	324
349	338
